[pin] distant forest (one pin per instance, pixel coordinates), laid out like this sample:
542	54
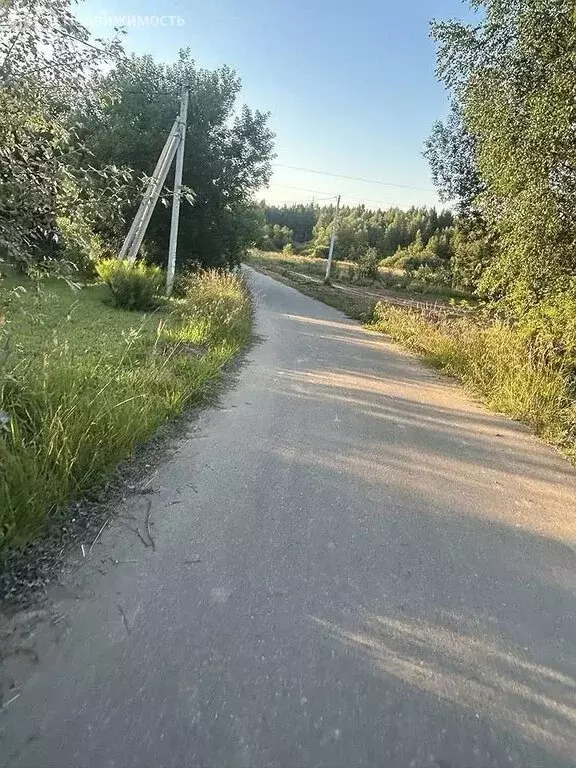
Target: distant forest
429	244
359	227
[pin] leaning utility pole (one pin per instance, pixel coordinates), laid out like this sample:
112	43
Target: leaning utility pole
174	146
332	241
134	238
177	191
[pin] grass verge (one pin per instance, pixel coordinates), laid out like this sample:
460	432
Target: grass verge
346	275
495	362
82	384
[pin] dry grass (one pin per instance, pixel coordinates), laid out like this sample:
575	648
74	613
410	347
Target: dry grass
494	361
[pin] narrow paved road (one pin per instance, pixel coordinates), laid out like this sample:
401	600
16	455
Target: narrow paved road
355	565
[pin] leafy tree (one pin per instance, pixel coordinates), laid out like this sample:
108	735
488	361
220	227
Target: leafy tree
472	255
276	237
46	65
368	264
441	244
451	152
227	157
513	79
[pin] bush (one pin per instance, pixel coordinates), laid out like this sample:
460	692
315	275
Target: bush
276	237
389	261
368	264
394	279
288	248
134	285
412	262
80	247
550	328
320	252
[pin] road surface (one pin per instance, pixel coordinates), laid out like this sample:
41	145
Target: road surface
354	565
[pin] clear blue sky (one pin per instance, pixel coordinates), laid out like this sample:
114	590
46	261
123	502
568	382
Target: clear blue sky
350	85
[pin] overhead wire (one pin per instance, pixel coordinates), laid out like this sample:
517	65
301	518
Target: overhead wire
385	203
302	189
352	178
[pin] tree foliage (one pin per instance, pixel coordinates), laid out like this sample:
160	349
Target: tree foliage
451	152
299	218
83	126
227	153
46	65
513	82
360	228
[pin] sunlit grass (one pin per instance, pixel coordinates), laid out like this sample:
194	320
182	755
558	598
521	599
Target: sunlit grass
495	362
82	383
290	265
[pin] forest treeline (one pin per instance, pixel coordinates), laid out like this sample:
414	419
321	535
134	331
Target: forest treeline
432	246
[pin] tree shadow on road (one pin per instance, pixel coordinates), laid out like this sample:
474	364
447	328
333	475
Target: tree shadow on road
458	590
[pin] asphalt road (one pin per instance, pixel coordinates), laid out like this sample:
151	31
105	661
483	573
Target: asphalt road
354	565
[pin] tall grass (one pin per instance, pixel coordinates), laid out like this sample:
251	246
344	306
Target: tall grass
73	412
359	273
495	361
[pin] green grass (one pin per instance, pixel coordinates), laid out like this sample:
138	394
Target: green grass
82	383
495	361
389	279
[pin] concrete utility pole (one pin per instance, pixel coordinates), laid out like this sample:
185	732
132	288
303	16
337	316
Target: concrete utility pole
134	238
177	191
332	241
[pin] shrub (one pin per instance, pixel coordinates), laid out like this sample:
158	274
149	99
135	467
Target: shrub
368	264
80	246
389	261
134	285
394	279
412	262
438	275
276	237
550	328
320	252
288	248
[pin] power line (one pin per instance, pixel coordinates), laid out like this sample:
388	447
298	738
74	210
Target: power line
385	203
303	189
290	201
353	178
